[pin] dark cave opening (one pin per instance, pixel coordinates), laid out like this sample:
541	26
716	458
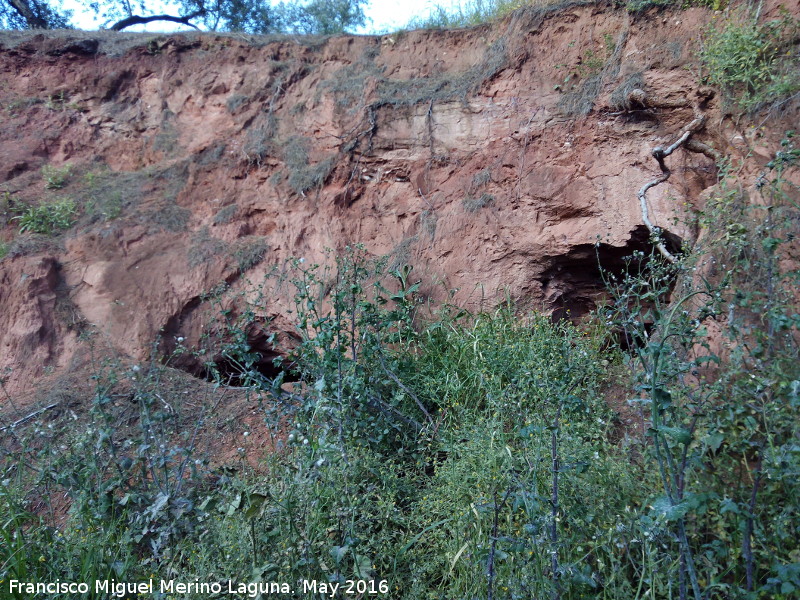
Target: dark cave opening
257	359
574	283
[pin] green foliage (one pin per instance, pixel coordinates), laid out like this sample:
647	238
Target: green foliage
46	218
3	250
421	453
723	410
454	455
56	178
323	17
80	552
132	473
105	194
23	103
33	14
754	64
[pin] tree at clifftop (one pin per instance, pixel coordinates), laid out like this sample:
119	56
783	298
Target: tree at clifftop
251	16
31	14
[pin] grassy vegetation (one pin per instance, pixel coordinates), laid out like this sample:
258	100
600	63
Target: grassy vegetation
451	86
440	454
466	14
46	218
56	177
303	175
755	64
434	453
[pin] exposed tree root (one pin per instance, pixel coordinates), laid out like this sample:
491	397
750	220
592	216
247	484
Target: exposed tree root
659	153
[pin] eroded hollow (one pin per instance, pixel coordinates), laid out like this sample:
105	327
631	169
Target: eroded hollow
258	357
573	283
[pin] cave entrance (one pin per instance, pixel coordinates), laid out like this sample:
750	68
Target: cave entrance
256	359
574	283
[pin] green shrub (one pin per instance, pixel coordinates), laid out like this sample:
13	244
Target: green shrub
455	455
723	409
754	64
56	178
423	452
46	218
105	194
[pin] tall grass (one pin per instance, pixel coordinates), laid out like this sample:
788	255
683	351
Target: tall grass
467	13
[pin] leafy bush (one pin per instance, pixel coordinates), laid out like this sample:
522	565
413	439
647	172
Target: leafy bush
753	63
454	455
723	409
46	218
424	454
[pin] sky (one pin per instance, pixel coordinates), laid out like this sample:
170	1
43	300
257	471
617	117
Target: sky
383	15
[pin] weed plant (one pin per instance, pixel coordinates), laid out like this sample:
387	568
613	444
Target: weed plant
46	218
723	409
466	14
56	178
442	454
754	63
303	175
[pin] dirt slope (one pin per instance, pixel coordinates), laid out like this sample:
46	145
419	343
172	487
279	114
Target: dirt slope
493	159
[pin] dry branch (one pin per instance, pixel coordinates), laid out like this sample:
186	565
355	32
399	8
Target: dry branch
136	20
30	416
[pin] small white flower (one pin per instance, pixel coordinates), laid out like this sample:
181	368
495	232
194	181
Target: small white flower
302	260
180	340
246	433
305	441
135	368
